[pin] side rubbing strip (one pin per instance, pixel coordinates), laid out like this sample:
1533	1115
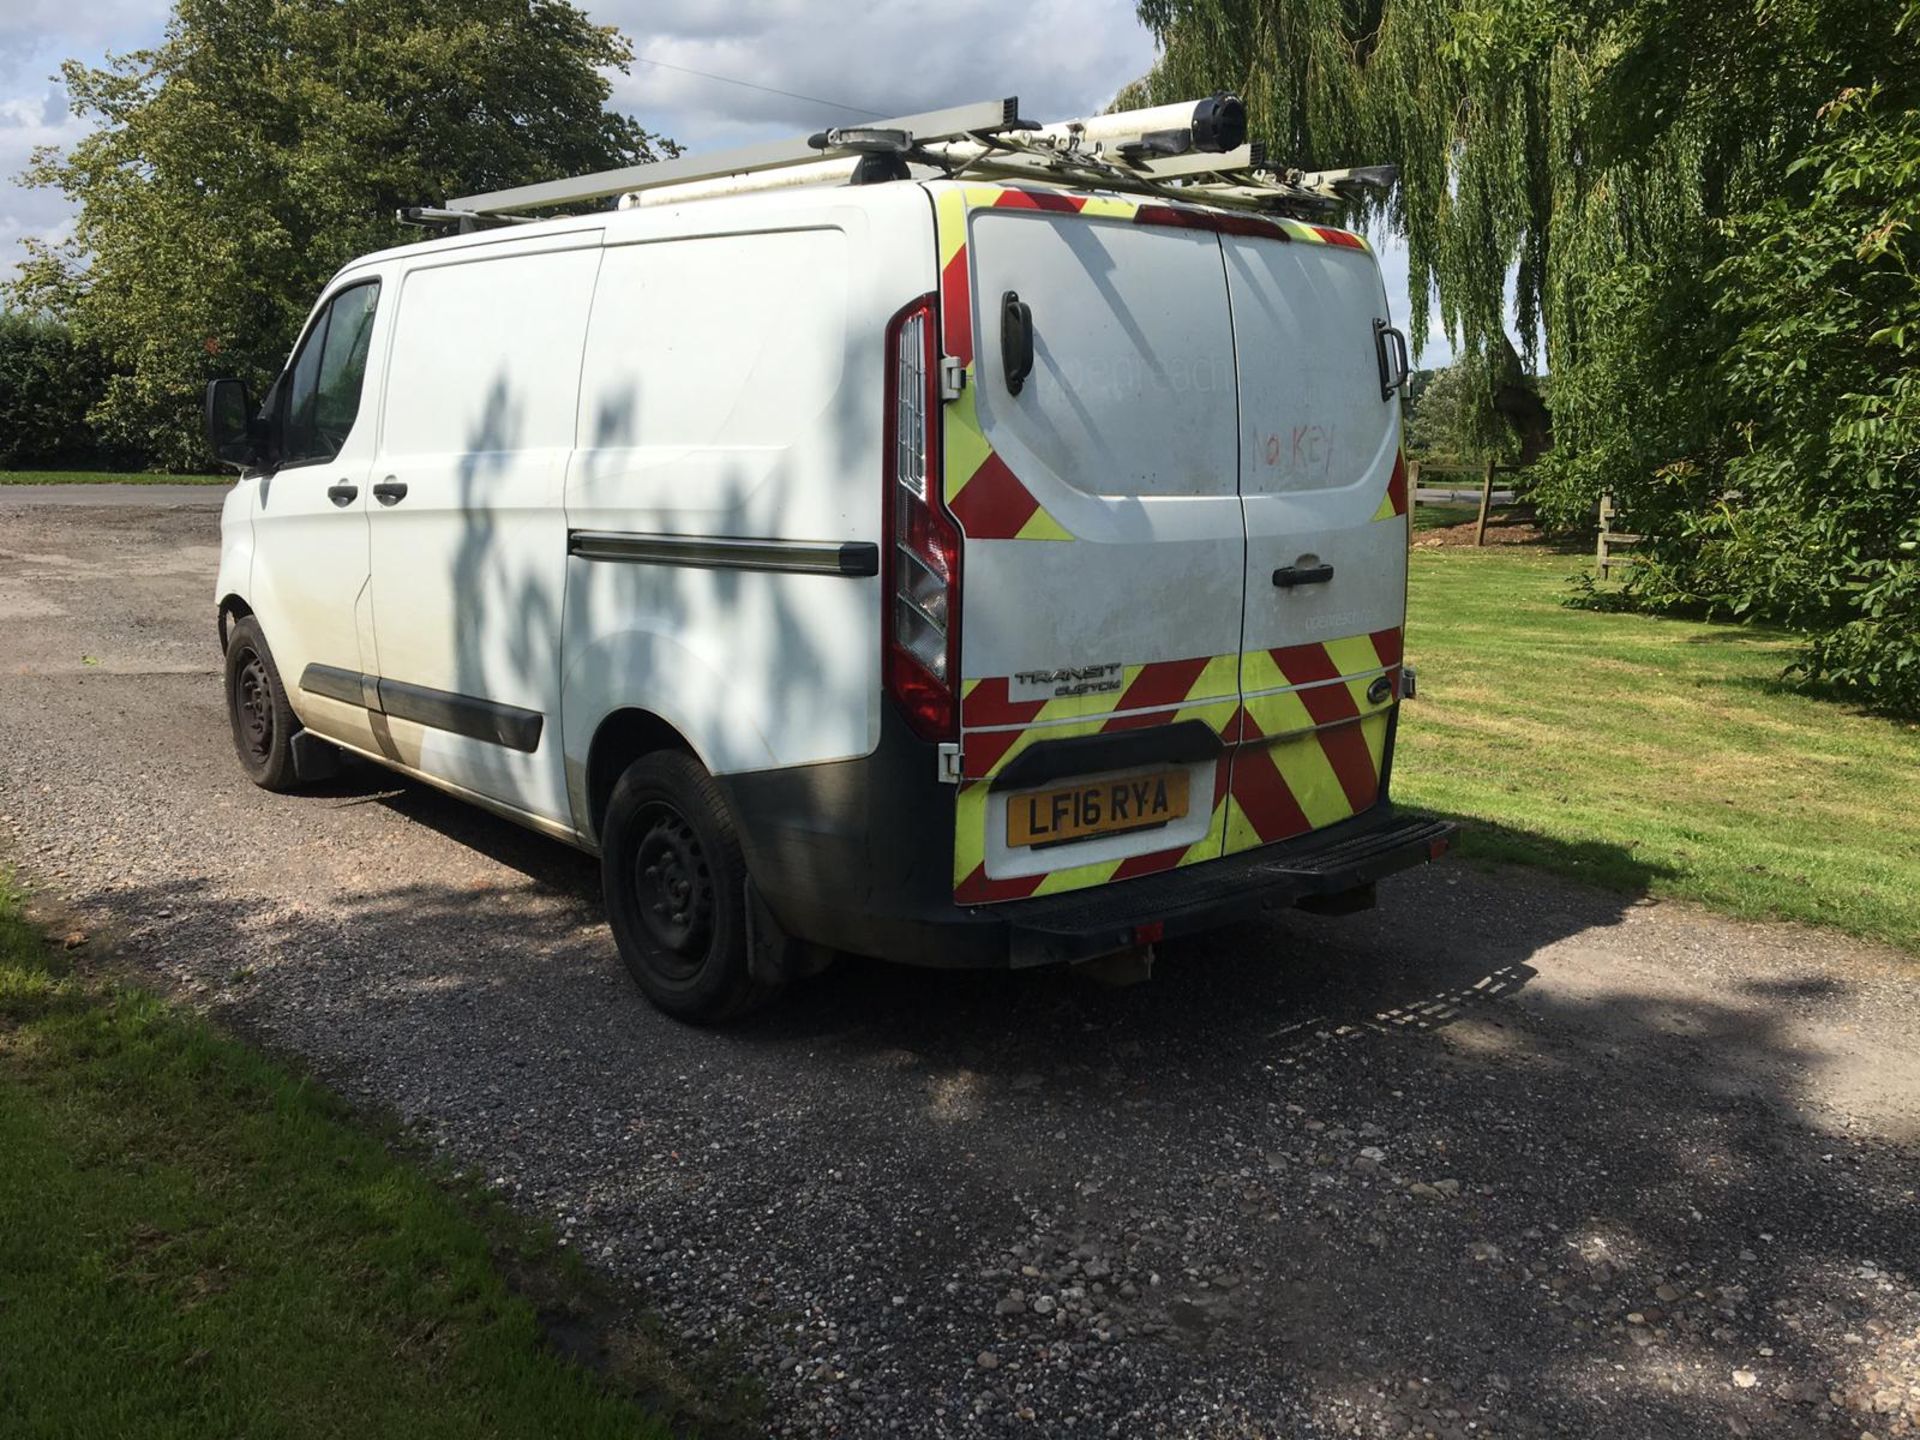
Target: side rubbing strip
488	720
477	719
334	683
801	557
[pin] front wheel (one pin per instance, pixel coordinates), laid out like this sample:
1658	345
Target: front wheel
263	721
675	885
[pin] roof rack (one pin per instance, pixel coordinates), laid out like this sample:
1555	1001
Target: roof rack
1192	150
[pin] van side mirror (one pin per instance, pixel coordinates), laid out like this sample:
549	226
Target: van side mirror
232	433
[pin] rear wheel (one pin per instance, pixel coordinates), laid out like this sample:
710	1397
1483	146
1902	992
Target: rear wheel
263	722
675	886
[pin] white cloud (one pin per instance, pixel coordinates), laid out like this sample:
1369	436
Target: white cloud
27	122
1061	57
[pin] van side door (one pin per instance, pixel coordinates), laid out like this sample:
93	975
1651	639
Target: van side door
468	527
1105	550
310	565
1323	483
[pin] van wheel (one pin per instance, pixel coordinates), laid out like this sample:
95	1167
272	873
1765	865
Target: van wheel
263	722
675	885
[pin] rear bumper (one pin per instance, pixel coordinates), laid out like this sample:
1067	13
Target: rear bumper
857	855
1335	861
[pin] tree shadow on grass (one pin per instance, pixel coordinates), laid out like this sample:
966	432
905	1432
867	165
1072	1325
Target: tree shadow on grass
1602	863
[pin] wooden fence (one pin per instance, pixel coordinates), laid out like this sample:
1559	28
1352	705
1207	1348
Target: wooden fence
1416	469
1610	540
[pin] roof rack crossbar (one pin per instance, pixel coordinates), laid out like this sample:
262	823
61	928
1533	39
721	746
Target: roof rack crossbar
954	123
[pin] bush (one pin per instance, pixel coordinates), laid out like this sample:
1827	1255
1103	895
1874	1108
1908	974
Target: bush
48	383
1822	525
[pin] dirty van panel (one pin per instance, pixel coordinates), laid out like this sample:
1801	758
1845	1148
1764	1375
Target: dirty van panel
1091	461
1324	486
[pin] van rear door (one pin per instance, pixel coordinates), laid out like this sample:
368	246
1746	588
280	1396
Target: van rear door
1324	486
1104	548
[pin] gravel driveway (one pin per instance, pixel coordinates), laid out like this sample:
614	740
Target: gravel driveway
1503	1157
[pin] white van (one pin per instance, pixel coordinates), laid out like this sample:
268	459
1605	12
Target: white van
952	571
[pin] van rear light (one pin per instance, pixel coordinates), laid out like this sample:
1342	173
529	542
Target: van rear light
921	565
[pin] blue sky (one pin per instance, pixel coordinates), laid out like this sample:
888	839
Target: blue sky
1061	57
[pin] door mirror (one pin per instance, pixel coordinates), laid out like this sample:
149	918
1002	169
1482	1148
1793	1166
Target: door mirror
233	434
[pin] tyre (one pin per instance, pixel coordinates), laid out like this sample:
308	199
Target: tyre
675	886
263	722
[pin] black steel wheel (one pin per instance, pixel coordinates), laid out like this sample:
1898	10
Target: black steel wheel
263	722
675	885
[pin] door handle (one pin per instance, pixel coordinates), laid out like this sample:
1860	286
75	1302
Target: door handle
390	491
1288	576
343	493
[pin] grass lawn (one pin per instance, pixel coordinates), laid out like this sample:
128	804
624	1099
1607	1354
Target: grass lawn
195	1242
106	477
1650	754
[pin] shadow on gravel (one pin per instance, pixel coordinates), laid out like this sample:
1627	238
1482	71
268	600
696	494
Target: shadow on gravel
1376	1167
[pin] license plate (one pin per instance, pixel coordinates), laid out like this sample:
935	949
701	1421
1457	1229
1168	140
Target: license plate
1104	807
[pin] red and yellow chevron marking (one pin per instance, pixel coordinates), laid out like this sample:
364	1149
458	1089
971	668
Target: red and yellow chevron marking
985	496
1312	745
1205	688
1394	503
1306	748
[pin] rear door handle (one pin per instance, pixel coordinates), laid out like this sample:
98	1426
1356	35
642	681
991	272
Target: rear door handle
343	494
1288	576
390	492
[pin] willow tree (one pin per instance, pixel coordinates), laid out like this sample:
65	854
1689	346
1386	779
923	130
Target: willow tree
1564	164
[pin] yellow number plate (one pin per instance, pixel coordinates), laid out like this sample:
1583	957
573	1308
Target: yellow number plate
1073	812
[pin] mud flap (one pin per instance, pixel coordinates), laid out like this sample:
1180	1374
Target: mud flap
314	758
773	956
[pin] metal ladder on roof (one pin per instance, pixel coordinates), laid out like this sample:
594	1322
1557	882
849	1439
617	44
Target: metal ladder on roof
1194	151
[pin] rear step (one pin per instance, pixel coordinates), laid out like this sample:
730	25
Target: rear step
1084	924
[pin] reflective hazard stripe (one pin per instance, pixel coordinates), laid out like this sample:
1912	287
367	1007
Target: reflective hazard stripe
1312	743
1205	688
1393	504
1304	749
985	496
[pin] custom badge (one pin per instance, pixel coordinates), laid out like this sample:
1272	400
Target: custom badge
1064	683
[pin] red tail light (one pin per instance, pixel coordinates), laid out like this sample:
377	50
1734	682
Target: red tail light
920	565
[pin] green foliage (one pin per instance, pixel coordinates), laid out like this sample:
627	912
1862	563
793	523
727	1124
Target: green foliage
1440	425
1819	523
264	143
1448	419
48	380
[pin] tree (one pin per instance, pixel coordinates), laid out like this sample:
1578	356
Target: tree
1817	521
1440	422
263	143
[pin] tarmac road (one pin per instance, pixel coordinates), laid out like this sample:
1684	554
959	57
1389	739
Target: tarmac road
1506	1156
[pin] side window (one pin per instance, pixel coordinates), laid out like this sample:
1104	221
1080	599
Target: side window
324	385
